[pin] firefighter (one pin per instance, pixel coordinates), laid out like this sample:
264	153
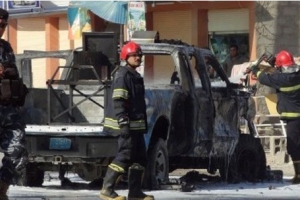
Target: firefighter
286	81
126	116
12	97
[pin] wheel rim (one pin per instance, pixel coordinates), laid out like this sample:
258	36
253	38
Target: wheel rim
160	165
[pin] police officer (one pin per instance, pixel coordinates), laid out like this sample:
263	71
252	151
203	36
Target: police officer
286	81
12	128
126	116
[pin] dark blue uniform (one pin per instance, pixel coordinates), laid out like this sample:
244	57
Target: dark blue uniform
12	128
128	102
287	86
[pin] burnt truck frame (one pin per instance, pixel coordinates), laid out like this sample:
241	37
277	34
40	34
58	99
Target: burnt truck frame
193	124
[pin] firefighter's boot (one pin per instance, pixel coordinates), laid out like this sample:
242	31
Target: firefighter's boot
135	179
108	192
3	190
296	178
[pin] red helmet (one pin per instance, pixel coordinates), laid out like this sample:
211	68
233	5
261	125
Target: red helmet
284	58
130	48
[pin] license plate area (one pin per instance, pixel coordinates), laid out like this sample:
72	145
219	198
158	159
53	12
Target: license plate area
60	144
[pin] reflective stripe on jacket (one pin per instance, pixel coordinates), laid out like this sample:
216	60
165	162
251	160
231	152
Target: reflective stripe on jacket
127	100
287	87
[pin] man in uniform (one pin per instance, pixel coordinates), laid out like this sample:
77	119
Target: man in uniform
12	127
286	81
126	116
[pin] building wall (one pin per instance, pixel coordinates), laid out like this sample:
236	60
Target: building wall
278	26
43	33
31	36
164	23
191	26
189	22
199	11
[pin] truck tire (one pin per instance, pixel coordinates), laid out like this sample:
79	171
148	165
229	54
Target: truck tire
32	176
158	165
248	162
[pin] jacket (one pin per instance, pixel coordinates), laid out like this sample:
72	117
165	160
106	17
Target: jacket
12	89
287	87
127	101
6	52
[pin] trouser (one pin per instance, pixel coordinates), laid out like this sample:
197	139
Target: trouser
131	150
293	138
12	143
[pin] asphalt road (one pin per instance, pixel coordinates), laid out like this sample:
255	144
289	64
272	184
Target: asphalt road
52	190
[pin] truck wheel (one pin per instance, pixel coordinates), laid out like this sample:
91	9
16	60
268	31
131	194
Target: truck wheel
158	164
248	162
32	176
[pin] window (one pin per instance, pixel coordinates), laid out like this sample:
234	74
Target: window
219	44
163	69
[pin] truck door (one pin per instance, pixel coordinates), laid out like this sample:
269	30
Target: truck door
184	107
227	108
204	102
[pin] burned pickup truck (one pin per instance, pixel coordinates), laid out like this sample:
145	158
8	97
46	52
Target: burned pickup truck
194	122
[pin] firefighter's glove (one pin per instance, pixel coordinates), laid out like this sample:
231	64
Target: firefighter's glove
270	58
254	69
124	126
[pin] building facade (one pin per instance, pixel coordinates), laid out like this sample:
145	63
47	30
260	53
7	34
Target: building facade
255	26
